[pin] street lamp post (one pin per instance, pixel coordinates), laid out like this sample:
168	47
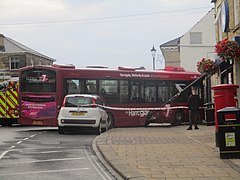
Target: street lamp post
153	51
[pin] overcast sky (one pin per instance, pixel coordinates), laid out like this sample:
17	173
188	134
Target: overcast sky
99	32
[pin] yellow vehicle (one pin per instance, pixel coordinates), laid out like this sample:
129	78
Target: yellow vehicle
9	102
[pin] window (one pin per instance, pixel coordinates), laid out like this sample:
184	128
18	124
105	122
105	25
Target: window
225	72
195	38
108	89
99	101
14	62
137	91
91	86
38	80
163	91
175	88
150	92
74	86
236	12
77	101
124	94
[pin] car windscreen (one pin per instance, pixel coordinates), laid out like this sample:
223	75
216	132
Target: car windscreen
78	101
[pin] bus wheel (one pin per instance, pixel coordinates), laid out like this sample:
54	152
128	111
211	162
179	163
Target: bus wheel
178	118
110	121
146	123
60	130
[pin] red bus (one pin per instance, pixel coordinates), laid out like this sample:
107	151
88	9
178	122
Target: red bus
132	90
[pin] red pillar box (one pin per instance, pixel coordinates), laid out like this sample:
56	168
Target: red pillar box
225	95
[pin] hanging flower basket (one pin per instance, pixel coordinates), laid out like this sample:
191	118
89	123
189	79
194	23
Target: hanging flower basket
206	66
228	49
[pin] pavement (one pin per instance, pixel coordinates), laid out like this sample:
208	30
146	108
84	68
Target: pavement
164	152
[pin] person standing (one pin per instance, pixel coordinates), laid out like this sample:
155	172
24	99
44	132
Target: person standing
193	106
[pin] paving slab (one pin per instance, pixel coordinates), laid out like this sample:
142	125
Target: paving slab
166	152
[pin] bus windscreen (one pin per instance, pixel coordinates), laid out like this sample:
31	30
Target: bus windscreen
38	80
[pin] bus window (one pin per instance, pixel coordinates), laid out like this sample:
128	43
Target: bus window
74	86
150	92
38	80
108	89
173	90
176	87
163	91
124	95
137	91
91	86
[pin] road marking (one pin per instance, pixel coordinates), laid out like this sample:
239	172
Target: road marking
46	160
49	160
11	147
56	151
32	135
98	166
19	142
5	152
46	152
50	171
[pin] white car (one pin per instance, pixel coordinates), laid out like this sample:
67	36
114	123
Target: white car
82	110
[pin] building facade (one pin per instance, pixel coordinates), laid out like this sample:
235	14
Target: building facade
14	55
227	26
171	52
195	44
198	42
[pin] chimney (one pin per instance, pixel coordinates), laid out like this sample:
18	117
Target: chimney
2	48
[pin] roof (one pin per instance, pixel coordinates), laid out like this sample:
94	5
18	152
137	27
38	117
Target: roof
174	42
12	46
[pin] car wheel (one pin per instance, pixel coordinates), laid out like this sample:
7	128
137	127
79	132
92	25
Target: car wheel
110	121
178	118
60	130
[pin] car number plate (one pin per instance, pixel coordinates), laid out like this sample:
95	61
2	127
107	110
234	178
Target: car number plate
77	113
37	122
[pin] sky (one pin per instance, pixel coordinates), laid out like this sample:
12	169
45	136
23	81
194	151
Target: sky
108	33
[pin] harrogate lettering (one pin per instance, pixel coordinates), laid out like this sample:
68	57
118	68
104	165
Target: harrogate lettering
141	113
